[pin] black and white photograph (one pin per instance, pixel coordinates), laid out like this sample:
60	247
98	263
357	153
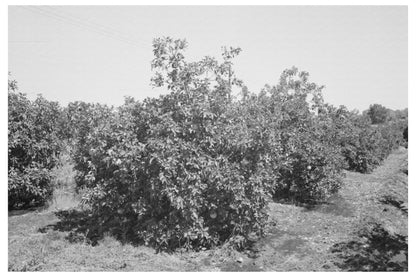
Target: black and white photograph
206	138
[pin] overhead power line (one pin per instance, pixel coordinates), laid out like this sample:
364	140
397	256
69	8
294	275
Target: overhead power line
83	24
115	31
109	30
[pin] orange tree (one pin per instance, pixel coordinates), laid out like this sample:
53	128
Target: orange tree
312	169
33	148
184	169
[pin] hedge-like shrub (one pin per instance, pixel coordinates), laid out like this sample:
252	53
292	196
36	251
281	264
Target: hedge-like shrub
176	177
313	171
82	126
363	145
33	149
312	168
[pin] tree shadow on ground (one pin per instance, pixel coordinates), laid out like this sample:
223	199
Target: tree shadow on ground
335	205
373	250
390	200
25	210
12	213
287	199
82	226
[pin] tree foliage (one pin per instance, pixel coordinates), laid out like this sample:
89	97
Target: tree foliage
33	148
378	114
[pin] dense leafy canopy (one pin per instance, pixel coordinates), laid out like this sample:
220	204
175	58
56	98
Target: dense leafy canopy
33	148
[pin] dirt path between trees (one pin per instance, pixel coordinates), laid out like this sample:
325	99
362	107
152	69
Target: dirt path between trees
362	228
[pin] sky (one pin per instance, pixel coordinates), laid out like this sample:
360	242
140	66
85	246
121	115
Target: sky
103	53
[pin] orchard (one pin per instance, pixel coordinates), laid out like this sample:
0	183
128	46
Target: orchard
196	167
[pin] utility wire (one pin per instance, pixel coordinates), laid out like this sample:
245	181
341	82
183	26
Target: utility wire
106	28
85	25
82	25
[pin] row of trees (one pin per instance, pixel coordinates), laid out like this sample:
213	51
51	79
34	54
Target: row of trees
197	167
379	114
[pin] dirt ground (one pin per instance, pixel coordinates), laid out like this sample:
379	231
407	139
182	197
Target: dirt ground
362	228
